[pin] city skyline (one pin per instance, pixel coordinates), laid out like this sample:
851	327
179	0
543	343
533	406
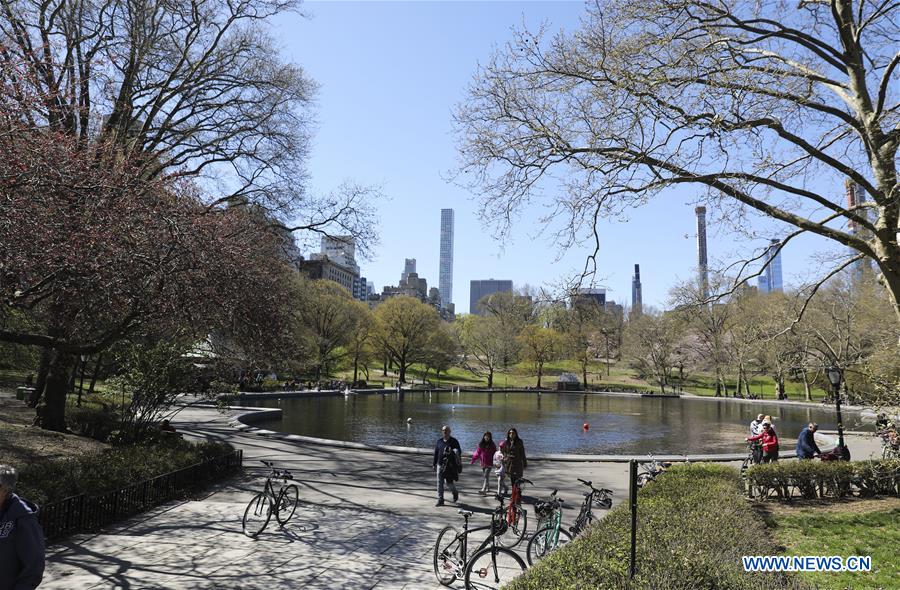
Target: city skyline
415	79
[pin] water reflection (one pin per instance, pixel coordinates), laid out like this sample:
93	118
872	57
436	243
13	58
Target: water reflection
551	423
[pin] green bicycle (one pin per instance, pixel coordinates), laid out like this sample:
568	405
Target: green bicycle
549	534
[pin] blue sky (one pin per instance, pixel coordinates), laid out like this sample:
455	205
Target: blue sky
390	74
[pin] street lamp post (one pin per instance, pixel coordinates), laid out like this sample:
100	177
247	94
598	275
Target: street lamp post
834	376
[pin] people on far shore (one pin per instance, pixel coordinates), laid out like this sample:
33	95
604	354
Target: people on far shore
806	442
22	554
484	454
769	440
447	464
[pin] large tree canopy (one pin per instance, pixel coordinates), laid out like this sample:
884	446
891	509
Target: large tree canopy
768	106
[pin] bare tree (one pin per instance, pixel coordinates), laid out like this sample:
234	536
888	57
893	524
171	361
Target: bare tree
650	342
483	339
767	106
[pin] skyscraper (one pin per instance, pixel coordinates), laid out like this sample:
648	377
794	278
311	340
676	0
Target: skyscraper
409	266
702	262
636	297
770	278
481	289
445	271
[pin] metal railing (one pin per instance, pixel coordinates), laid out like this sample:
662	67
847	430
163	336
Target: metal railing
86	513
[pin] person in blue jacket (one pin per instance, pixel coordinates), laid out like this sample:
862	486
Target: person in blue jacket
21	537
447	464
806	442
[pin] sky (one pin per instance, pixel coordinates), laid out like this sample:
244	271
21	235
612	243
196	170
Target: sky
390	74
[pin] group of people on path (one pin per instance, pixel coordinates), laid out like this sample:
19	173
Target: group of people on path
765	449
507	460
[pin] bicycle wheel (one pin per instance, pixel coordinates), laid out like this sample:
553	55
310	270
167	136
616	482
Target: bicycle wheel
448	558
515	531
544	541
643	479
257	515
493	567
287	504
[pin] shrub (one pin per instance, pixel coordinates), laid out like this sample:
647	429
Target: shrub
832	479
693	528
52	480
93	422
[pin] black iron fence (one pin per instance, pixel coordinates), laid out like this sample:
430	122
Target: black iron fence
86	513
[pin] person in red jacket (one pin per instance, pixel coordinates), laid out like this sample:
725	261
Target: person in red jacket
769	441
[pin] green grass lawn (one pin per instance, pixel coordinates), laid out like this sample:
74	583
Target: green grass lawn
521	375
860	528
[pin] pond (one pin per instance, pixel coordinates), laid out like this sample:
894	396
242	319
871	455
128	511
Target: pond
549	423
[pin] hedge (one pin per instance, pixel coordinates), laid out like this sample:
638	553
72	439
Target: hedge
51	480
831	479
693	527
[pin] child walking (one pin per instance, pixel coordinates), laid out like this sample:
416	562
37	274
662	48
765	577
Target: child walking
485	455
500	464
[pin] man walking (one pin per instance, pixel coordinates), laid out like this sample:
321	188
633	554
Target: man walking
21	537
806	442
447	464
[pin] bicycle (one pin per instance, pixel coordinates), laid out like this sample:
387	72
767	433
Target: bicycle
650	470
282	504
602	498
452	561
549	533
516	515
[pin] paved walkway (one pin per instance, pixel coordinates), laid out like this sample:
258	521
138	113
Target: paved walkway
367	520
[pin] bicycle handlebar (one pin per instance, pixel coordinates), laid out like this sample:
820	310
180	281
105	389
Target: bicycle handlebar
587	483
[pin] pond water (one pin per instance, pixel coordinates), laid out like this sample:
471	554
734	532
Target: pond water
549	423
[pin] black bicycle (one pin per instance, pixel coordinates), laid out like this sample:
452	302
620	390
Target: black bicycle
601	498
282	503
490	566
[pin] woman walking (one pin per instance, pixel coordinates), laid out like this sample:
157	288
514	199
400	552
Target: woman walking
516	461
485	455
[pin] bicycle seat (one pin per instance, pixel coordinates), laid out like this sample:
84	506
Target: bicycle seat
464	513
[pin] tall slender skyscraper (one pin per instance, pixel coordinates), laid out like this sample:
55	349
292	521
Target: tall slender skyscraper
702	262
636	297
445	274
770	278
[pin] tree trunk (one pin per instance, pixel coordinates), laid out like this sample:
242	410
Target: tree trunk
740	384
41	383
355	367
401	362
490	378
384	369
806	390
584	382
52	413
540	371
96	371
607	356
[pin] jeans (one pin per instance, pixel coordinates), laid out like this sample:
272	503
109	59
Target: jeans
440	485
